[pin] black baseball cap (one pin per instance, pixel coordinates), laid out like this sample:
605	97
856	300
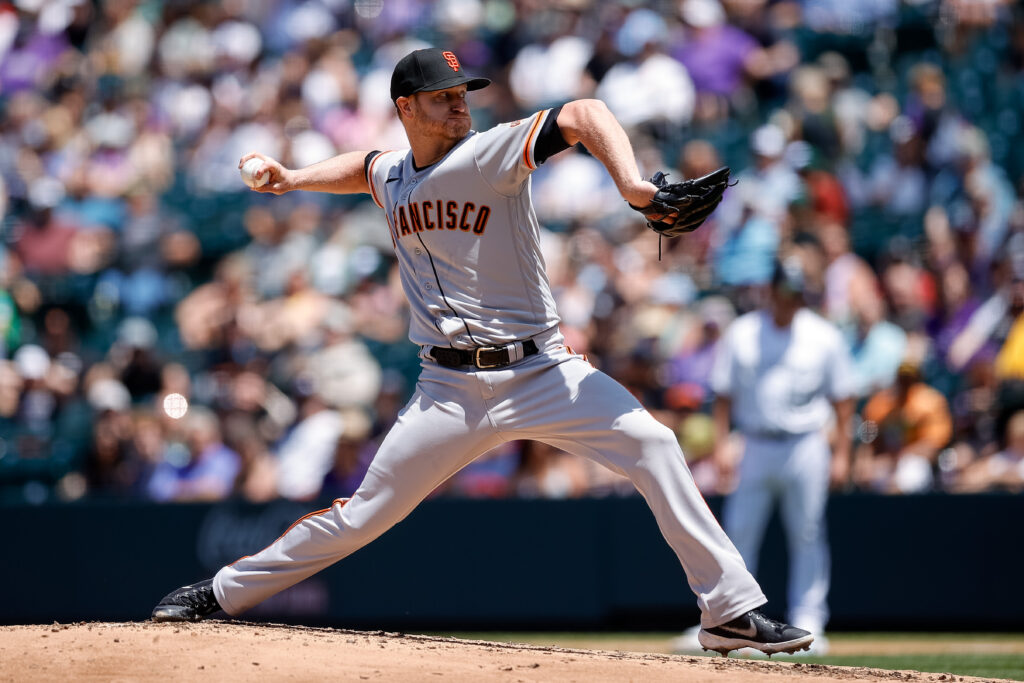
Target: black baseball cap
788	276
428	70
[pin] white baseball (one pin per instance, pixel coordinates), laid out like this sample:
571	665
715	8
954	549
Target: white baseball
175	406
248	172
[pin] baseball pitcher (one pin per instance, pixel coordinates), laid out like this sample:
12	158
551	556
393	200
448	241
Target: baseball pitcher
494	366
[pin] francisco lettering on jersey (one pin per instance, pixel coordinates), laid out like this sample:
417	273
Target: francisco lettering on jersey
438	215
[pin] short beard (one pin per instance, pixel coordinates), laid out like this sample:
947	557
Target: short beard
450	130
456	130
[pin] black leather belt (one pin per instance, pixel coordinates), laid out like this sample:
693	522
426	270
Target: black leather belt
772	435
483	357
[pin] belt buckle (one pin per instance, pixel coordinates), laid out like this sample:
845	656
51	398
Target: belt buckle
481	349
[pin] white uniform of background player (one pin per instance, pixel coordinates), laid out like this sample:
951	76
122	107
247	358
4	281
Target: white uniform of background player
779	373
494	365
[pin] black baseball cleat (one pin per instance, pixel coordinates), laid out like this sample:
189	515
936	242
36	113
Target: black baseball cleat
755	630
188	603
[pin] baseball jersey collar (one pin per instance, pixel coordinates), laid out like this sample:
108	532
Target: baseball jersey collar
412	164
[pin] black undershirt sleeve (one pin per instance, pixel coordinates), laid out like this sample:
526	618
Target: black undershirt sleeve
549	140
366	163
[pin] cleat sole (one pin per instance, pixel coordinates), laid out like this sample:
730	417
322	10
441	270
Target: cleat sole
173	613
710	641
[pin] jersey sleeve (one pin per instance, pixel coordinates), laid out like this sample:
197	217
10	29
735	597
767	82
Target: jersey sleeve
376	175
508	153
720	378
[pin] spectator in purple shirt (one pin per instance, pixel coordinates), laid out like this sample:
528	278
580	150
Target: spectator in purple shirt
30	60
957	305
720	56
207	470
689	370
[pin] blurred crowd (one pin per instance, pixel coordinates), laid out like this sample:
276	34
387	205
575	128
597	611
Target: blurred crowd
167	334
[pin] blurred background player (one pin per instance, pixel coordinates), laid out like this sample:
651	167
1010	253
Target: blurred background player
782	378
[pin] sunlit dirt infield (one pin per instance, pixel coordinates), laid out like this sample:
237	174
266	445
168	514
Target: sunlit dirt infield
230	651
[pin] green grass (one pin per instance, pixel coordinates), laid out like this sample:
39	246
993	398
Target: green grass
1010	666
963	654
985	655
957	640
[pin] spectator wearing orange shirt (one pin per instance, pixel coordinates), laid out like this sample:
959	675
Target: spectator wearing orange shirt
904	428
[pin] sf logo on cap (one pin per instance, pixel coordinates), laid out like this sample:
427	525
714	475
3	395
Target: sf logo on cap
452	60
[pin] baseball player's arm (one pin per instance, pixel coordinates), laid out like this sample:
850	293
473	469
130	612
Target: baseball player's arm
841	449
870	447
343	174
723	456
591	123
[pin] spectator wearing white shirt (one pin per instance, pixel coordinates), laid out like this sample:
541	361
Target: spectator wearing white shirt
650	87
307	454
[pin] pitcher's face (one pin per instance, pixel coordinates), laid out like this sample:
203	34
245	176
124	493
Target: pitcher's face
441	113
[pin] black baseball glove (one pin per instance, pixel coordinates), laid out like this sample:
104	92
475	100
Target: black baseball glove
679	208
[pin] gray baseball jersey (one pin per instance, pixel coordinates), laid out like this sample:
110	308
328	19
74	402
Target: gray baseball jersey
467	238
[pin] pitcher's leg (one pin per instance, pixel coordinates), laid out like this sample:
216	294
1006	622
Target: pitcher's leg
606	423
429	443
803	515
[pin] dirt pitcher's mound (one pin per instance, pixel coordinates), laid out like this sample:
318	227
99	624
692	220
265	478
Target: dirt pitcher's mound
229	651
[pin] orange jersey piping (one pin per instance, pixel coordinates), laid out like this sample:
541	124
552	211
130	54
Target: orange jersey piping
529	139
295	524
